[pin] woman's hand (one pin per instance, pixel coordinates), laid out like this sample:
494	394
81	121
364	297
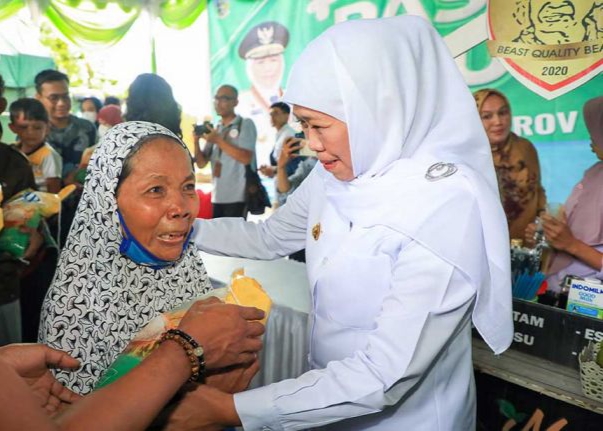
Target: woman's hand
201	409
529	235
33	362
233	379
558	234
230	334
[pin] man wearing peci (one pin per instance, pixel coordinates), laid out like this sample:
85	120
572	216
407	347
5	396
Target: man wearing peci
262	48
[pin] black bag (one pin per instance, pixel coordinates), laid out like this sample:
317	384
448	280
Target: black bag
256	196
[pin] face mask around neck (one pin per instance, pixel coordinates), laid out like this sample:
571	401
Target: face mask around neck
136	252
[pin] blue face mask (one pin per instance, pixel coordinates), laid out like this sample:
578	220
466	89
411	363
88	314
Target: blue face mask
134	250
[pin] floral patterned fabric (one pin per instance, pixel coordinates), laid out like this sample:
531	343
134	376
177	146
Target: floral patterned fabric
518	174
99	298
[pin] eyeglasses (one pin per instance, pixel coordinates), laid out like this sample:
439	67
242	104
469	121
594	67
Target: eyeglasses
54	98
223	98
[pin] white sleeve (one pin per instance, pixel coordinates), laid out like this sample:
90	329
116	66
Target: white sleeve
52	165
283	233
428	305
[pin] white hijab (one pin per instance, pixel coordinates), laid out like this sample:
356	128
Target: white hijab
100	299
406	106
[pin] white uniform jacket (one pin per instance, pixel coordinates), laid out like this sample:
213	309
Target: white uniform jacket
390	334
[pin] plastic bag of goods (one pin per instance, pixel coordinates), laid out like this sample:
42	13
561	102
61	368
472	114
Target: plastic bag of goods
242	290
23	212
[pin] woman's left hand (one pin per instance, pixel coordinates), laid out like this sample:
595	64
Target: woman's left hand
529	235
202	409
33	362
234	379
557	233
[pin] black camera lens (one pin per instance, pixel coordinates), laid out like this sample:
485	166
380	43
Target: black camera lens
201	129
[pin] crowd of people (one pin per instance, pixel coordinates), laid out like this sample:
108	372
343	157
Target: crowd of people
394	296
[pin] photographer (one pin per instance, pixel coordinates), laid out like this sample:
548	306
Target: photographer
279	118
285	183
229	147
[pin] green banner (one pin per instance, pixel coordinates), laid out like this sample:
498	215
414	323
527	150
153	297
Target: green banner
254	43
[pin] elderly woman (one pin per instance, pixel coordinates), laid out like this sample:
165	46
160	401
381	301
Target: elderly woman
128	257
576	234
515	161
405	237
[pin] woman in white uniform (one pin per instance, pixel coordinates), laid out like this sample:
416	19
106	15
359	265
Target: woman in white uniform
405	237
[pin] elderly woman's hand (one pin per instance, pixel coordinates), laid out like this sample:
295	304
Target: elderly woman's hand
557	233
229	334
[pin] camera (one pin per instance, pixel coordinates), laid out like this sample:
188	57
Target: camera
202	129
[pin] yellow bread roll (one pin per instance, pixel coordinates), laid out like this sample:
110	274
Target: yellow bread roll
247	291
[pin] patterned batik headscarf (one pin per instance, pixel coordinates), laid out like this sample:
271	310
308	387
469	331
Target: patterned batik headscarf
407	107
518	174
100	299
480	97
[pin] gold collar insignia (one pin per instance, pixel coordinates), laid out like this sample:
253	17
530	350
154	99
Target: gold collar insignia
316	231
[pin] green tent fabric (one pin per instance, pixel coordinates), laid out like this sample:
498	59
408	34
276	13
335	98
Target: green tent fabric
21	56
105	22
9	7
19	70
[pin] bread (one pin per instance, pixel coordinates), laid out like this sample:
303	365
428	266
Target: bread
247	291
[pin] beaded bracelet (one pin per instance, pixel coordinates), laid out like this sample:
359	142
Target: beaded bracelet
192	349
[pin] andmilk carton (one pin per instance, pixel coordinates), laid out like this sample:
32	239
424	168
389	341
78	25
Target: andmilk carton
585	297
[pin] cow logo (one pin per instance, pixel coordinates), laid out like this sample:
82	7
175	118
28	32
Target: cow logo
550	46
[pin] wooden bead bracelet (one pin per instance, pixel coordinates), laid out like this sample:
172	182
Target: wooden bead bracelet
192	349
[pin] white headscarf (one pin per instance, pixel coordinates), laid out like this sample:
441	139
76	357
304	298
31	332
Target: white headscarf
406	106
100	299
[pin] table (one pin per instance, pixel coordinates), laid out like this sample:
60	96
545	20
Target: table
541	376
518	388
285	352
